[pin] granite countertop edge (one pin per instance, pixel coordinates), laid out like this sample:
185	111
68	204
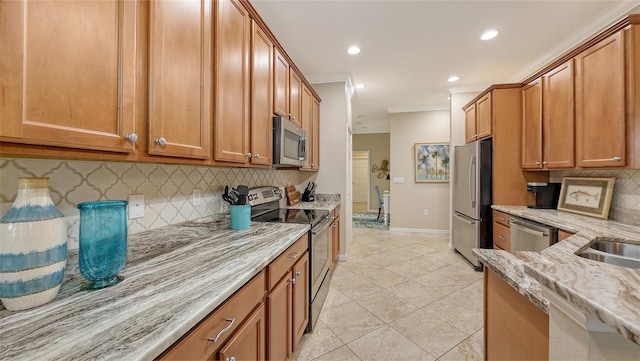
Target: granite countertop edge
174	277
607	292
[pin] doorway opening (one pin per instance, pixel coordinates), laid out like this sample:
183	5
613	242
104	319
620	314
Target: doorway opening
360	181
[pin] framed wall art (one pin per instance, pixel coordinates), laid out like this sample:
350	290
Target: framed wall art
432	162
586	196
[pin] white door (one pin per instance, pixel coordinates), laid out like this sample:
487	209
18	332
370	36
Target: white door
360	174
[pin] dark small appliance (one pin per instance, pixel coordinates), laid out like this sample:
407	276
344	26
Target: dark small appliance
546	194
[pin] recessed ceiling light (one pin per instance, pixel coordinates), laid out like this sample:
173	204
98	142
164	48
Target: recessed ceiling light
453	78
353	50
489	34
360	86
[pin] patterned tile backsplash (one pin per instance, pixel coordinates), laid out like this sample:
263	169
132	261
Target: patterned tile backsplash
167	189
625	204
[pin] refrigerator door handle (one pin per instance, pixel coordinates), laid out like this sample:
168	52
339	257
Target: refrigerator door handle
472	172
465	220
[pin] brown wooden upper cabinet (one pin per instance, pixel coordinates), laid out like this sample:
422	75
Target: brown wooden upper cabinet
261	96
310	117
280	84
478	118
232	110
69	90
287	88
600	104
548	121
180	79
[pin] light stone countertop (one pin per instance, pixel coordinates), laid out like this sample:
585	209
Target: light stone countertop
609	293
322	201
174	277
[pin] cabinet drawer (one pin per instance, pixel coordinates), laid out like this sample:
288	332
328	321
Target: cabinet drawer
501	218
285	261
195	345
501	236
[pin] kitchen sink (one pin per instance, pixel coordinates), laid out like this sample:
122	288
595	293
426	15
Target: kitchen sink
618	247
613	251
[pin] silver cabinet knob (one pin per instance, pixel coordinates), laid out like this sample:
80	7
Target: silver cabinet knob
537	163
617	159
298	274
545	163
161	141
248	155
257	155
232	358
132	137
293	117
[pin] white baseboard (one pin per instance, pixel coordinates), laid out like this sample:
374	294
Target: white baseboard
419	230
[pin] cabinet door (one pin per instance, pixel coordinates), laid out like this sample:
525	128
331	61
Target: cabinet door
261	96
315	121
295	97
470	123
558	124
532	125
280	84
231	123
180	78
279	310
600	104
300	299
248	343
72	90
306	118
484	116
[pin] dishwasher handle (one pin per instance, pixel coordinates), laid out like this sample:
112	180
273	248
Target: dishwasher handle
524	227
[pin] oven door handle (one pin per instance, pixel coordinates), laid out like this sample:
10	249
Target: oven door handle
322	226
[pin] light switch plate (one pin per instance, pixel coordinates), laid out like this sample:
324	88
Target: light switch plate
398	180
196	197
136	206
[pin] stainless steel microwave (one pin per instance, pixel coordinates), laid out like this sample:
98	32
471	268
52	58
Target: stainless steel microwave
289	143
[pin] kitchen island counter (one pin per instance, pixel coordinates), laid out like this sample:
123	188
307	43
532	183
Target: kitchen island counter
606	292
174	277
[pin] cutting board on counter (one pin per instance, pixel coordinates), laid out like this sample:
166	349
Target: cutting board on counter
293	195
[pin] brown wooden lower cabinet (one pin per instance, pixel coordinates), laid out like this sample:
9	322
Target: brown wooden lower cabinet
335	237
514	328
250	326
562	235
248	343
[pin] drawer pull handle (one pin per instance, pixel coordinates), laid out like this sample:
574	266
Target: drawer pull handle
231	322
232	358
500	219
294	255
502	238
617	159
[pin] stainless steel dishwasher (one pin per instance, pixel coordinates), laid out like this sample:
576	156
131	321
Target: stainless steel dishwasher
530	236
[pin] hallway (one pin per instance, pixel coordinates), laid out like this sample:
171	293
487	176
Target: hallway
401	296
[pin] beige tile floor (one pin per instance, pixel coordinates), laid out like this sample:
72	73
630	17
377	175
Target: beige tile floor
400	296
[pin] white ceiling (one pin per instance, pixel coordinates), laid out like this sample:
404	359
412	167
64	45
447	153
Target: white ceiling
410	48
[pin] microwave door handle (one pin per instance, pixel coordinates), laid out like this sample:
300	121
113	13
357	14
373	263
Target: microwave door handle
302	148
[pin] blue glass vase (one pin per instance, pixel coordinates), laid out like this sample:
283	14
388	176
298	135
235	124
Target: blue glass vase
103	242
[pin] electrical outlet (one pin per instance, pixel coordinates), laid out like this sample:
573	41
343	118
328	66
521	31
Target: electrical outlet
398	180
196	197
136	206
426	212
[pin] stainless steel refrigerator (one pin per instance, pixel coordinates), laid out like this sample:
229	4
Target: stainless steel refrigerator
472	225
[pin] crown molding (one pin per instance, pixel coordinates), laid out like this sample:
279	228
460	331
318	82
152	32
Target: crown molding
334	78
469	88
578	37
425	108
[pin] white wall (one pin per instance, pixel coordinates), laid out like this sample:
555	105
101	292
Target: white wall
335	156
410	199
457	101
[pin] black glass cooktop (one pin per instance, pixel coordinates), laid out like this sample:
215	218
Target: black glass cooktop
282	215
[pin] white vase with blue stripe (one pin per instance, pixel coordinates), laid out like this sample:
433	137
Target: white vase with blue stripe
33	247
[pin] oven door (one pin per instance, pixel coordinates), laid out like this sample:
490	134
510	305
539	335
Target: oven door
320	251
